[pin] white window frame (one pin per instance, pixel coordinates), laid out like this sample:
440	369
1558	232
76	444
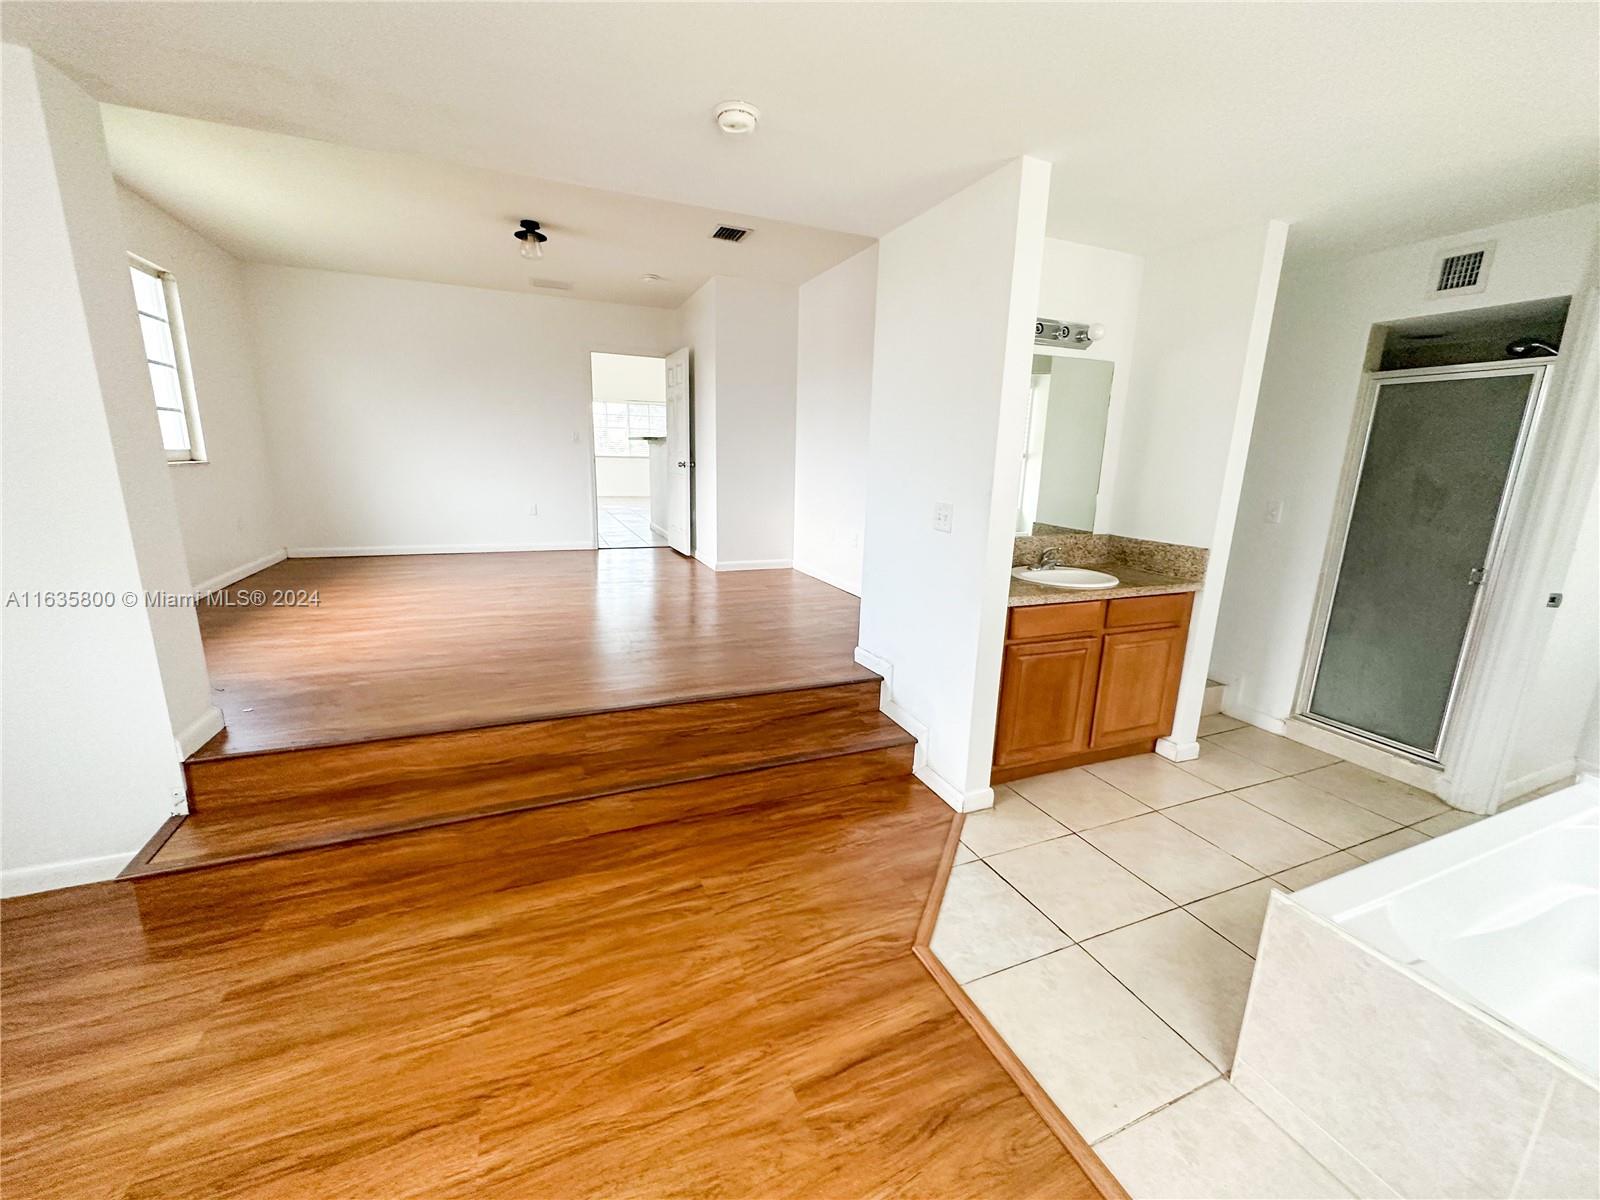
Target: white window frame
180	353
636	448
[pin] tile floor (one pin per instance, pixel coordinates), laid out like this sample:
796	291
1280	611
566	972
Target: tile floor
1105	919
625	523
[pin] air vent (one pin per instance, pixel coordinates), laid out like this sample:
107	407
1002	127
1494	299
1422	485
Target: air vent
729	233
1462	269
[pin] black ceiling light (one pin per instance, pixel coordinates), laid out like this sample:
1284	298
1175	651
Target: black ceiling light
532	240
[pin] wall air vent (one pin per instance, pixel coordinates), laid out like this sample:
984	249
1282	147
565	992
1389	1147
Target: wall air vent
729	233
1462	269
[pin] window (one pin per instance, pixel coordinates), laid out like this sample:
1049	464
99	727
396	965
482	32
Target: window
618	424
155	294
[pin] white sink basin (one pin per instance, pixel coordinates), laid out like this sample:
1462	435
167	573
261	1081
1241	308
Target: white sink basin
1075	578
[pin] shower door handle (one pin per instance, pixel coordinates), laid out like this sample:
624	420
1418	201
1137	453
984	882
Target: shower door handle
1475	577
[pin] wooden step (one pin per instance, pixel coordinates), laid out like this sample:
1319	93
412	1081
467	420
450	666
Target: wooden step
560	758
236	834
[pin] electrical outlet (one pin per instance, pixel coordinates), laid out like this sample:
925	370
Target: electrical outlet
533	510
1275	512
944	516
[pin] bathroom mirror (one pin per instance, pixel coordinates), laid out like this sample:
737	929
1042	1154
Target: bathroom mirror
1069	399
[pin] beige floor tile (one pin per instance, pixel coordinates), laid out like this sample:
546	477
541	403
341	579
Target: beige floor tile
1305	875
1169	858
1255	838
964	854
1190	976
985	926
1011	824
1077	887
1319	813
1152	779
1400	839
1281	753
1102	1056
1238	914
1447	822
1229	771
1078	799
1387	797
1218	723
1214	1145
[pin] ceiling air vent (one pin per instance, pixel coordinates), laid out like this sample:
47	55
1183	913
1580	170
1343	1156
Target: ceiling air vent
1462	269
729	233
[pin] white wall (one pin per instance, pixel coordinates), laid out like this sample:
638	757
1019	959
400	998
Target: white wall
226	505
621	476
412	417
1552	735
742	334
1308	399
92	697
1204	314
1093	285
833	397
957	292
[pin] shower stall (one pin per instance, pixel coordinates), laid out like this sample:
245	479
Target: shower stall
1430	477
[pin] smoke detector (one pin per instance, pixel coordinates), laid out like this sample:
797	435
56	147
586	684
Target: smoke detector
737	116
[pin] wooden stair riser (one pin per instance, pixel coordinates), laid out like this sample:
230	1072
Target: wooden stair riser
232	837
556	759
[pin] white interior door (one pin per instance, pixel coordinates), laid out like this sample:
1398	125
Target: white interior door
680	454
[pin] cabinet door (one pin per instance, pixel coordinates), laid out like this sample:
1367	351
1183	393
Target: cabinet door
1138	688
1046	700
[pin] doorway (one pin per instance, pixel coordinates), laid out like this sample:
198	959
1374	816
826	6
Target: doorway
630	450
1434	464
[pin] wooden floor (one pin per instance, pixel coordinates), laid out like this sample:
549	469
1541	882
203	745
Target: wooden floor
421	644
726	1005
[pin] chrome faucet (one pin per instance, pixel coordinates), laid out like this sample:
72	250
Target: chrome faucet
1050	556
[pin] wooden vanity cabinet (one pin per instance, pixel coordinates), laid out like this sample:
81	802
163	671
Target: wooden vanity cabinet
1088	680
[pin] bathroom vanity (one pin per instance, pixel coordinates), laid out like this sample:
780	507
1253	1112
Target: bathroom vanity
1091	675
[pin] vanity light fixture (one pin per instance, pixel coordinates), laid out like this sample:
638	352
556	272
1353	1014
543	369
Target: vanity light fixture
1070	334
532	240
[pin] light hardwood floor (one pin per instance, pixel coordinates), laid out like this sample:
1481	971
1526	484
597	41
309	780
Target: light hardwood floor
724	1005
419	644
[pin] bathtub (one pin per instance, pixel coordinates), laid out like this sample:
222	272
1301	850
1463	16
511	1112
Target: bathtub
1428	1024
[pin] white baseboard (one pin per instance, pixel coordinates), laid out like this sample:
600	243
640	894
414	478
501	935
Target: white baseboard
206	587
1542	778
755	564
1252	716
479	548
957	798
828	578
198	732
24	881
1177	751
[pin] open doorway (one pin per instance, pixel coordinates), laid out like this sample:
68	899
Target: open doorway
630	450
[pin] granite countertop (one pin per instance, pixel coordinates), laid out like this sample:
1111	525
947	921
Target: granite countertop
1135	582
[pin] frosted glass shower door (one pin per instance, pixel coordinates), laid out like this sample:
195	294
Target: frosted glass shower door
1434	475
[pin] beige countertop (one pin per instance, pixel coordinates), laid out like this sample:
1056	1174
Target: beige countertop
1135	582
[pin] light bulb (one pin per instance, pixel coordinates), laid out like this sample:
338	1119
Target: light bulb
532	247
1096	332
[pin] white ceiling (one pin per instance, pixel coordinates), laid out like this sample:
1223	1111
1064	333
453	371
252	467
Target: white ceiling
266	197
1367	124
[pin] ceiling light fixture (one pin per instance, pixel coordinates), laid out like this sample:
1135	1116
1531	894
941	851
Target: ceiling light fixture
737	116
532	240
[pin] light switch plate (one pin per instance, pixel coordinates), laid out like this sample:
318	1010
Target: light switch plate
944	516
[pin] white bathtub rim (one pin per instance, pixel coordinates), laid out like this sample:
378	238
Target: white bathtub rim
1365	887
1516	1034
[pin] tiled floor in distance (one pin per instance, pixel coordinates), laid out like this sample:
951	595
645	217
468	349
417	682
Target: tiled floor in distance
1105	919
625	522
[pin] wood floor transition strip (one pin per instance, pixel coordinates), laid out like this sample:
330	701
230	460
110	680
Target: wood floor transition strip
1075	1143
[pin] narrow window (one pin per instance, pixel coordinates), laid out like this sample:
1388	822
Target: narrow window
155	295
